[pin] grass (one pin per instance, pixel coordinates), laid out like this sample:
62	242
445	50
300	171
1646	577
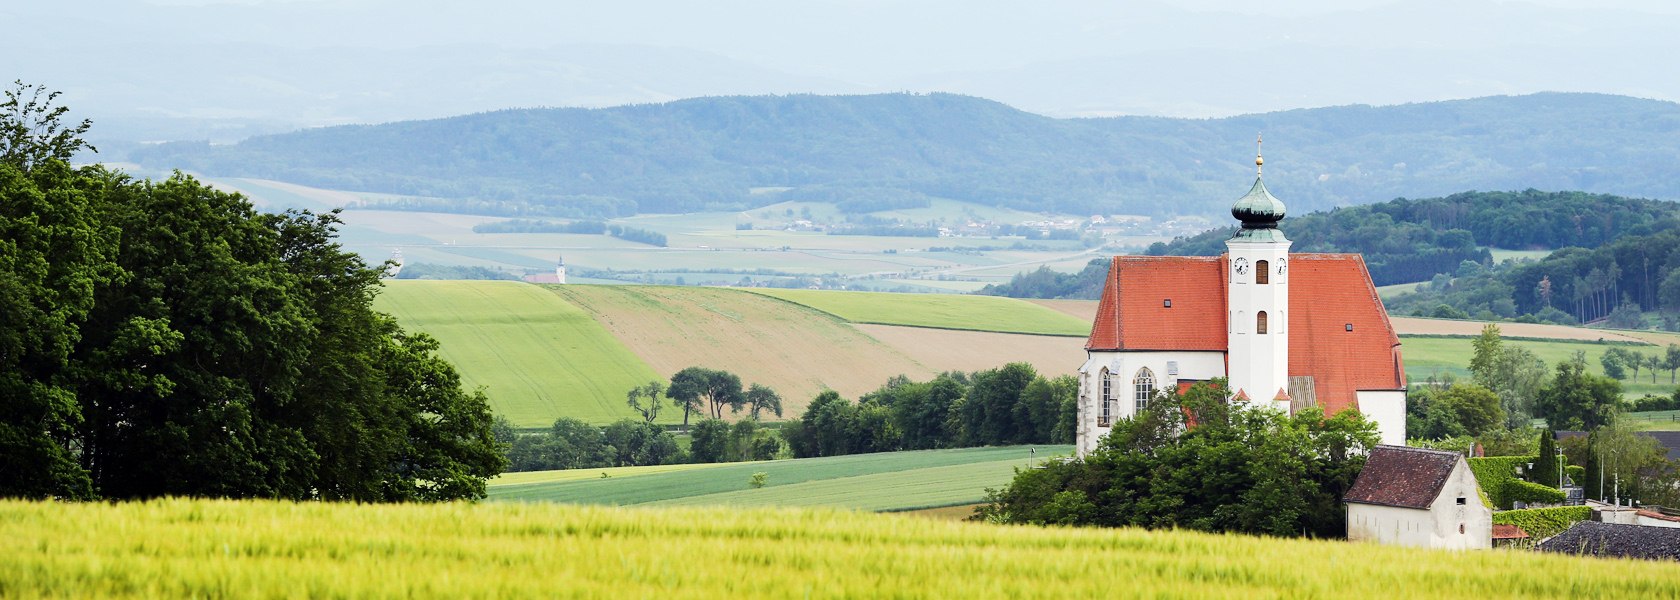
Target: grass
181	548
975	313
888	481
1429	355
528	477
1654	420
538	356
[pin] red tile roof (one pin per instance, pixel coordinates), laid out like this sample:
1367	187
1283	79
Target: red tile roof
1508	532
1401	476
1327	293
1133	314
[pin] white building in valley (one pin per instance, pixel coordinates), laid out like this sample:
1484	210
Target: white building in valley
1416	497
1291	330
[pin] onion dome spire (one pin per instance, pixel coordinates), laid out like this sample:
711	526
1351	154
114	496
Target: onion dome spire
1258	210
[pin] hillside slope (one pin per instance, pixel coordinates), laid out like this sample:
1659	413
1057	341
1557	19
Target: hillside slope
884	151
544	352
538	357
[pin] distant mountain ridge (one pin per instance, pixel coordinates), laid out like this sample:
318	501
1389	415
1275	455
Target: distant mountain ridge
894	150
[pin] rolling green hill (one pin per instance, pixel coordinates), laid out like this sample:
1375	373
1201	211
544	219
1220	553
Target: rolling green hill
888	481
544	352
892	151
539	357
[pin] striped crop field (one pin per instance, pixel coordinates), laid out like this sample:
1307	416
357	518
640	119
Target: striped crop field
943	311
885	481
181	548
537	356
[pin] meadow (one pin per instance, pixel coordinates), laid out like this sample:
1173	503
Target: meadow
978	313
179	548
537	356
1427	356
885	481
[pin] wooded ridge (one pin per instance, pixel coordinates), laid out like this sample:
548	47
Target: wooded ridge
900	150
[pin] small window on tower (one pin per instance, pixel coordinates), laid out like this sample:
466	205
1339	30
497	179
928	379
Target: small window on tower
1262	274
1461	500
1260	322
1167	303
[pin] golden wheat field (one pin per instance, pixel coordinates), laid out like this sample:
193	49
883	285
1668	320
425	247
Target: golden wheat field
259	549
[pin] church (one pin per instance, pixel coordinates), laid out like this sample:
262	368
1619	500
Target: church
1292	330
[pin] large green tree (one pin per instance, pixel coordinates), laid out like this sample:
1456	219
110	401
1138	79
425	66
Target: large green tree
1578	400
166	338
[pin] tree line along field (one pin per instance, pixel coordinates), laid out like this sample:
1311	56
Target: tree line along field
222	548
549	351
886	481
1436	356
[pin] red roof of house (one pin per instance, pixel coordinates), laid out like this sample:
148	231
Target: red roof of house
1508	532
1402	476
1328	292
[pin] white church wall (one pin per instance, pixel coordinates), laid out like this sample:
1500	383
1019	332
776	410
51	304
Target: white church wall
1388	409
1125	366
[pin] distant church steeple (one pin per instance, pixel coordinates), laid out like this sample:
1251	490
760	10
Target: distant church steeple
560	270
1258	289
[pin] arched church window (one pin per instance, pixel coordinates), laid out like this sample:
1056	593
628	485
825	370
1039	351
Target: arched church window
1105	414
1260	322
1143	388
1262	273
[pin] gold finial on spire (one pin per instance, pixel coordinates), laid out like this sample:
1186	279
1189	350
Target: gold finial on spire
1258	161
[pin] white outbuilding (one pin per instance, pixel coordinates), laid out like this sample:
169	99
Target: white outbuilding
1417	497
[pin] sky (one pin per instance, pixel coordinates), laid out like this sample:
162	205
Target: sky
221	70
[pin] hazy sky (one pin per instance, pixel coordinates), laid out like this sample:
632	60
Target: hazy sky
179	68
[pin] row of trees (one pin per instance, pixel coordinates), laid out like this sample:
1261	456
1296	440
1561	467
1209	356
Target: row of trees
166	338
1618	361
1008	405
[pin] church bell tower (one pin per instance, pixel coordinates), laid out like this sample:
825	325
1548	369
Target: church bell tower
1257	285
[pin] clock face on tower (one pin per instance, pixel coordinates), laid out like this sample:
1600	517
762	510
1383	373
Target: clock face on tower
1282	265
1241	266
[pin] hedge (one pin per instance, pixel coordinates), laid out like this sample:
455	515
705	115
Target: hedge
1542	523
1498	477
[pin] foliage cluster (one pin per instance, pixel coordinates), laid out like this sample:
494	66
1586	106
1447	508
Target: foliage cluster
1047	283
1542	523
1195	461
1008	405
1619	282
573	444
165	338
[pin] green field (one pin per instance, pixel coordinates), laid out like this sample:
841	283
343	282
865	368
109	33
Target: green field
538	356
181	548
1436	355
889	481
975	313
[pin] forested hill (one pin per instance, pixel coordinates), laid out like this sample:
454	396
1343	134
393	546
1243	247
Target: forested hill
896	150
1413	240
